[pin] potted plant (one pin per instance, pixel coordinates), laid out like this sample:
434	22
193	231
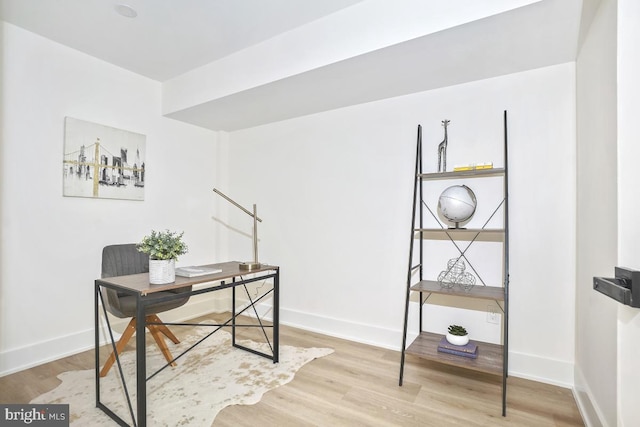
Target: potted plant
457	335
163	248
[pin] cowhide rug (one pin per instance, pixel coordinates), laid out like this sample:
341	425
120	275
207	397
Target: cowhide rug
207	379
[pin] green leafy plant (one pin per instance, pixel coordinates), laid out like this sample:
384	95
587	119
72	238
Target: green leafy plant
163	245
457	330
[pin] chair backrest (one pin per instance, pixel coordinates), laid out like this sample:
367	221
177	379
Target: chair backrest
120	260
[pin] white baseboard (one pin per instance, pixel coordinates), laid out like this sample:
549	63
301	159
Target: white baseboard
589	410
348	330
544	370
520	365
18	359
549	371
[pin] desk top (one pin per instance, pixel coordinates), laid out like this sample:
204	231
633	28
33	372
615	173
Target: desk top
140	282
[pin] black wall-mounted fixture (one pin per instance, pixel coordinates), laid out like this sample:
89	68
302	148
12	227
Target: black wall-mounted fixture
624	287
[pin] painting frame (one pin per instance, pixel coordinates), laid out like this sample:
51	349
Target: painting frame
97	163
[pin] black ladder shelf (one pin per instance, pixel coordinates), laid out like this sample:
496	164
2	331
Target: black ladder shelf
492	358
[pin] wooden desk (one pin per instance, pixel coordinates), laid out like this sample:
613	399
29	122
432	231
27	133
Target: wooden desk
138	285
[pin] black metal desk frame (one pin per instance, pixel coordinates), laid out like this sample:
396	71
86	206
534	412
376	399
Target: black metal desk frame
230	271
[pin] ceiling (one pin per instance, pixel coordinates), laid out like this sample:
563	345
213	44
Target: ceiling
170	38
167	37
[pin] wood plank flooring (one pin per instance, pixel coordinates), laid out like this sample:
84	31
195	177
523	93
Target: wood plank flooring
357	385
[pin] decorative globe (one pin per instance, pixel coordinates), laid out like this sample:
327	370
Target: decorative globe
457	203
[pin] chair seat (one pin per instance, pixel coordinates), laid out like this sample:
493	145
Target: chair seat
128	304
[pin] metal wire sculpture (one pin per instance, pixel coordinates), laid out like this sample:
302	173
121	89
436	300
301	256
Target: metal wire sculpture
455	274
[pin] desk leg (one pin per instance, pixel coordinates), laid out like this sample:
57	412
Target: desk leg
276	316
233	313
141	363
97	341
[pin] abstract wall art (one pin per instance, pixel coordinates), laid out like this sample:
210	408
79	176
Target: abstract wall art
103	162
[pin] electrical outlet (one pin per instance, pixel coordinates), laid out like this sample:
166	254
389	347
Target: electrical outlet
492	314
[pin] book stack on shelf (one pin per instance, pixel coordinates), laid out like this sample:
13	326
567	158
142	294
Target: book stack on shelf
468	350
473	167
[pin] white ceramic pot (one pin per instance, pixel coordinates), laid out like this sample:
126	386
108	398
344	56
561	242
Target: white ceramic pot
458	339
162	271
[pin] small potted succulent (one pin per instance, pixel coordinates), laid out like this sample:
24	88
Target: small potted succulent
457	335
163	248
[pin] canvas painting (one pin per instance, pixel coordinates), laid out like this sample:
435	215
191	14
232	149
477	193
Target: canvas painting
103	162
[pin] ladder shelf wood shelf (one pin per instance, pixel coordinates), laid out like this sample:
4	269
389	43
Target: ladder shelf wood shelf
495	293
491	358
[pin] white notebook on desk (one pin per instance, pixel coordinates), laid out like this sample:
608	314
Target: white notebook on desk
193	271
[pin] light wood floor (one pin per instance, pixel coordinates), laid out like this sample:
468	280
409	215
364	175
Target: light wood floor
357	385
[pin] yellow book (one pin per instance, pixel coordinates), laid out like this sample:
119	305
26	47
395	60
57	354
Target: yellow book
473	166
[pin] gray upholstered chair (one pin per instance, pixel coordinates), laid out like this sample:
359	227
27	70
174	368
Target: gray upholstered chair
122	260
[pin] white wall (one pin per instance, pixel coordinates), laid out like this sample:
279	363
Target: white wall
51	245
628	206
597	225
334	191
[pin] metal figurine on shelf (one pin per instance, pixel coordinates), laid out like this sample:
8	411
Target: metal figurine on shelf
442	149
